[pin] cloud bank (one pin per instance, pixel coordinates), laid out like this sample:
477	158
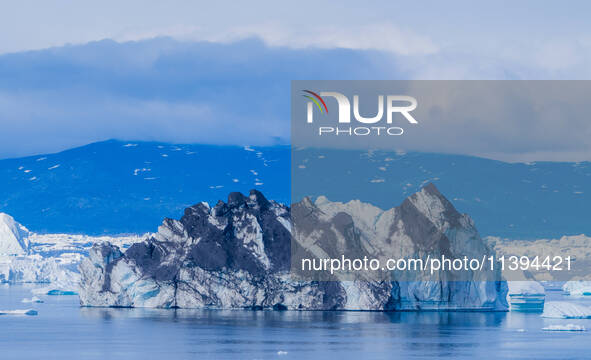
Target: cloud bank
235	92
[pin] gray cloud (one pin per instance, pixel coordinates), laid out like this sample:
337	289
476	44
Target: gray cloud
238	93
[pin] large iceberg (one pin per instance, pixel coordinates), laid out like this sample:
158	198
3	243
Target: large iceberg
237	255
566	310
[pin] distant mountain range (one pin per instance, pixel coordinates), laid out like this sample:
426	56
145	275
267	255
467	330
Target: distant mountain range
116	187
513	200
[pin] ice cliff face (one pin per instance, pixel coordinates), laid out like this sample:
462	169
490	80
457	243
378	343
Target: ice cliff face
238	255
27	257
13	236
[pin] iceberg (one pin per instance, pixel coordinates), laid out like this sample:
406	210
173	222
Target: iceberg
236	255
35	269
567	327
27	257
526	296
29	312
13	236
566	310
579	288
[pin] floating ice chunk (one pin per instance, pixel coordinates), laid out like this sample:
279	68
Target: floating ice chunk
281	352
567	327
29	312
527	296
577	288
57	289
566	310
60	292
34	299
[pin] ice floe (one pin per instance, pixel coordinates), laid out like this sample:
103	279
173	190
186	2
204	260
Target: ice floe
567	327
566	310
29	312
34	299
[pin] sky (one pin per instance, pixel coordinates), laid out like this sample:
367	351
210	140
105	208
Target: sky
74	72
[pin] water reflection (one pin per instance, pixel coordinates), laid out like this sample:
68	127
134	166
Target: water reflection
65	330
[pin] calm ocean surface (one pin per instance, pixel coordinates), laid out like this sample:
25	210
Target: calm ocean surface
63	330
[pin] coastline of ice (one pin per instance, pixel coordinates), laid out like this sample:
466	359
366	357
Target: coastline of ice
56	289
50	259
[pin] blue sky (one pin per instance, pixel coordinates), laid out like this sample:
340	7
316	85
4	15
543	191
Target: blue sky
218	72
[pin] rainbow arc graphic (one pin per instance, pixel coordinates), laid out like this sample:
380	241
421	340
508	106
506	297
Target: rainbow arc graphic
317	99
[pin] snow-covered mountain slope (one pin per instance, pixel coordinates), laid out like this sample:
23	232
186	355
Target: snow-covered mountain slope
237	255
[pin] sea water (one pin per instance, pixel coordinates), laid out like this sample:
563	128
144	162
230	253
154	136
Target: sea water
64	330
